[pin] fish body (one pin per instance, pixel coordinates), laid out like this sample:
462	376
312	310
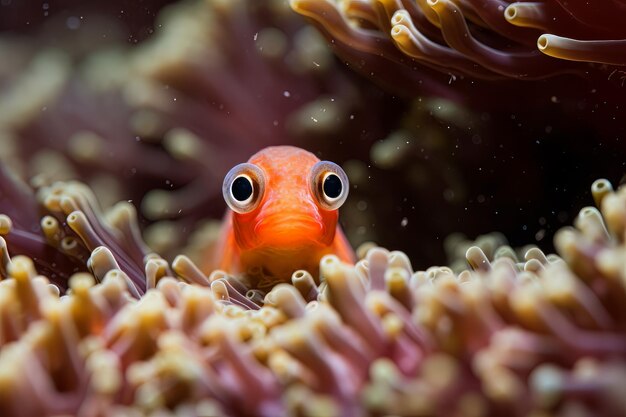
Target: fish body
291	222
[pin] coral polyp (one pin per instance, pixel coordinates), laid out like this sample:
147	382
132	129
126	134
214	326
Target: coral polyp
544	334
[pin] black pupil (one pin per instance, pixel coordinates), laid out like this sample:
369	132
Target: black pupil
332	186
241	188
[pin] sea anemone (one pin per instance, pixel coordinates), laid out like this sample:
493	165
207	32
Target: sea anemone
575	31
482	40
103	310
540	335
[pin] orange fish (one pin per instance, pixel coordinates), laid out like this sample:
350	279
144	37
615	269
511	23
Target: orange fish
283	214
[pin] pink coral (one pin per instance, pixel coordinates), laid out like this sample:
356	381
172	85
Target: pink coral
541	335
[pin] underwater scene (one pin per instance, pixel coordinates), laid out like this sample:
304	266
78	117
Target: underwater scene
313	208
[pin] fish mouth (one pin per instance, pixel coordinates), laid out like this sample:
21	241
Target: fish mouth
289	230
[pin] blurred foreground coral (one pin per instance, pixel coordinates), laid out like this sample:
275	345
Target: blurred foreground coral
541	336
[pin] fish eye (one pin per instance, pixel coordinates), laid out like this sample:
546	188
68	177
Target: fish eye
243	188
329	185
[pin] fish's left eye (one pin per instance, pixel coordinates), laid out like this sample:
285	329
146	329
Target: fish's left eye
329	185
243	188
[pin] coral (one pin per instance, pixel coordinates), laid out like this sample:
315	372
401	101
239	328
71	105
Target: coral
402	42
92	322
544	335
76	225
21	232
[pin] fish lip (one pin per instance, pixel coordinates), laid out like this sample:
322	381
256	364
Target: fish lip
280	221
300	227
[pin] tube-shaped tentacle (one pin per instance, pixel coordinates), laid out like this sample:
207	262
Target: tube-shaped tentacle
603	52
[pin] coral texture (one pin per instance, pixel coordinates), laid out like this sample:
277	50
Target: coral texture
507	337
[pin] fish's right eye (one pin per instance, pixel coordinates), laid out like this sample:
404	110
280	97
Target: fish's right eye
243	188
